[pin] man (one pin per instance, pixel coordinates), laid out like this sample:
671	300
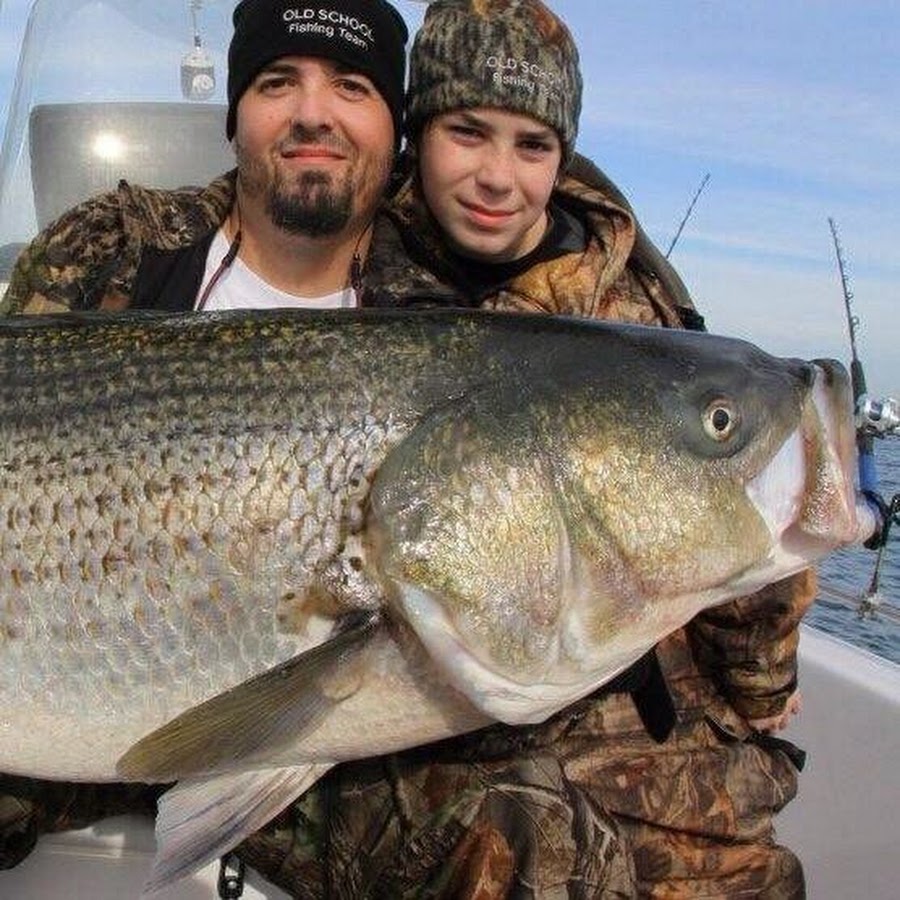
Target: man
315	112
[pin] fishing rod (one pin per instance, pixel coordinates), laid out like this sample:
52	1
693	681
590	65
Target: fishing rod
687	215
874	419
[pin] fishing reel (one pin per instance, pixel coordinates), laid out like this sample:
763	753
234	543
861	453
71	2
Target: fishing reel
878	418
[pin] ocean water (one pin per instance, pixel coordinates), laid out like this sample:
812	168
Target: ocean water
846	576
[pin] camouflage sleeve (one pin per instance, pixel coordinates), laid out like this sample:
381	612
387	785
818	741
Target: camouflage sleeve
75	263
20	296
749	646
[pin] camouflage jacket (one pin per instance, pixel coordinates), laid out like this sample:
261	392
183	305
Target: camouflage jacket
620	275
587	804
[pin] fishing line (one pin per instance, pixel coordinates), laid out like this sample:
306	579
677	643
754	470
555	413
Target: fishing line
872	608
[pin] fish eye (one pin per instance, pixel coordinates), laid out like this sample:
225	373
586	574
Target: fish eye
720	419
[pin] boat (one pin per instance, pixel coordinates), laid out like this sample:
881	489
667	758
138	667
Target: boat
110	89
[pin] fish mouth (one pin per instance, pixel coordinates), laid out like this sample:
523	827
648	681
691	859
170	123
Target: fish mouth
808	493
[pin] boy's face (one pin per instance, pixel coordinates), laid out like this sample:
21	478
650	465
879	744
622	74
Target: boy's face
487	176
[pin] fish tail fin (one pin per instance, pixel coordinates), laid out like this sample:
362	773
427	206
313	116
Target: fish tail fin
201	820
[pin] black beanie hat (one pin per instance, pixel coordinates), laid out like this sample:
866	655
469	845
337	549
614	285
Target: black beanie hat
369	36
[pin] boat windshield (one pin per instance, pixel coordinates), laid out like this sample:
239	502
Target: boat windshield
111	89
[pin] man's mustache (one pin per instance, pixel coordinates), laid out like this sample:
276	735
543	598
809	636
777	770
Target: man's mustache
302	135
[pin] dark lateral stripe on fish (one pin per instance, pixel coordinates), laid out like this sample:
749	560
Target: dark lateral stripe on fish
88	367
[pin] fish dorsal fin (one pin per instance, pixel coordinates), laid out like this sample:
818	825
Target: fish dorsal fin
199	821
262	714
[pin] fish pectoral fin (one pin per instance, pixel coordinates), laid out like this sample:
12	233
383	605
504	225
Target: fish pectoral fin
201	820
259	716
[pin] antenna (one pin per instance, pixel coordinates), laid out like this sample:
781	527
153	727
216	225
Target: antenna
198	74
687	215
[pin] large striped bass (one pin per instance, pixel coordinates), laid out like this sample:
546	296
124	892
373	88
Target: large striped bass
237	549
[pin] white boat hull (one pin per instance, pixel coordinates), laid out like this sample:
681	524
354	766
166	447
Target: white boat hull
844	823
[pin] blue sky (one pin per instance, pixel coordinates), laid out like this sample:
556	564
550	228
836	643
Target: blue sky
792	109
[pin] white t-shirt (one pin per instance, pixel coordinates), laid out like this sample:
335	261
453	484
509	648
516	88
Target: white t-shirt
241	288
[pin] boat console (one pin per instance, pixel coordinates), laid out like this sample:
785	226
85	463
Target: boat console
106	90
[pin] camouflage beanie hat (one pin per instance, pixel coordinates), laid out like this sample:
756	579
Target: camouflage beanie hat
514	55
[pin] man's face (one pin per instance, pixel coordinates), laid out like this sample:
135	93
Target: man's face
487	176
314	145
